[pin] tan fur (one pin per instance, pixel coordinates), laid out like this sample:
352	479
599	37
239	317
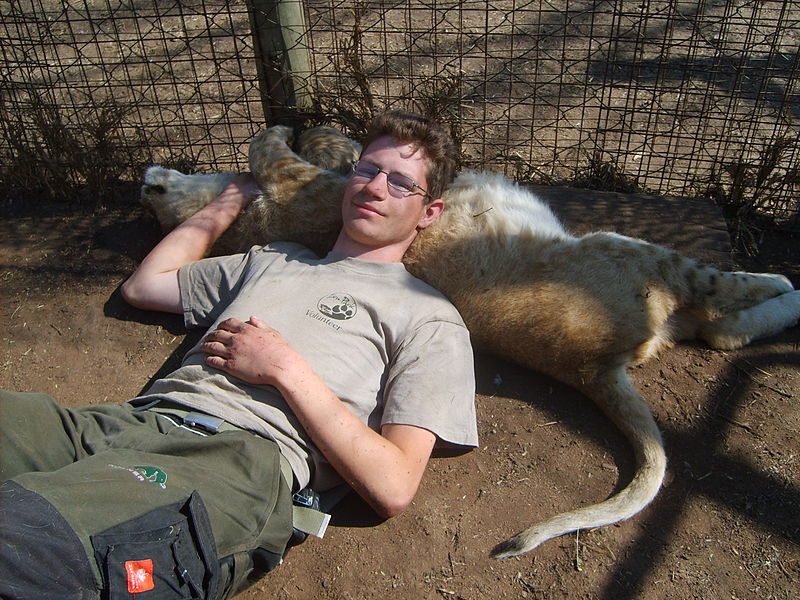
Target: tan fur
579	309
328	149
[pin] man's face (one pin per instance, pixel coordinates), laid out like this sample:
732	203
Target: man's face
375	216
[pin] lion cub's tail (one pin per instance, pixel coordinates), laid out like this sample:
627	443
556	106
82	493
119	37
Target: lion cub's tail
615	394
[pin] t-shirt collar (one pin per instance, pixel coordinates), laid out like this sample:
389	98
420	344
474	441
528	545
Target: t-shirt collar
339	259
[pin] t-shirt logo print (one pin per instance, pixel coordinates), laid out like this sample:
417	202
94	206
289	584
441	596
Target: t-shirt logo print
338	306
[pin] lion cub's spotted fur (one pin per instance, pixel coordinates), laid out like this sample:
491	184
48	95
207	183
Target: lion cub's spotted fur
581	309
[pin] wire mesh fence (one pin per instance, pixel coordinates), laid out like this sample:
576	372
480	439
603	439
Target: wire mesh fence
673	96
96	89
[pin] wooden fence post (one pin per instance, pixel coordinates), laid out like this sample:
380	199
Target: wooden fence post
282	58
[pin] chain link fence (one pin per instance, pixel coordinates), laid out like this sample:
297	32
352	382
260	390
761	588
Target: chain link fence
671	97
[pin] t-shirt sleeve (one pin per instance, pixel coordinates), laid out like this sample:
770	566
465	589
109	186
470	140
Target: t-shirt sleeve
431	384
208	286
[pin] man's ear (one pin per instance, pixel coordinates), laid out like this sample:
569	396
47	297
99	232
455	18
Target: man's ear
431	212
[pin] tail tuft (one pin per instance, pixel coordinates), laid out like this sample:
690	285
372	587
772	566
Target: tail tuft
508	548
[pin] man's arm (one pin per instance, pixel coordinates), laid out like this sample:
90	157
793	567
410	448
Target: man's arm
154	284
383	468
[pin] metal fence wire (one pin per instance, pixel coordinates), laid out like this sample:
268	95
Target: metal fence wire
672	97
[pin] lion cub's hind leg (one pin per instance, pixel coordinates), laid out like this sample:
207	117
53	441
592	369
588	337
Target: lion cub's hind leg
173	197
718	293
764	304
762	320
729	310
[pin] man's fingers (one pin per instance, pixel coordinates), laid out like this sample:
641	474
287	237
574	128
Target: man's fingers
256	322
216	348
231	324
216	362
218	335
234	325
247	184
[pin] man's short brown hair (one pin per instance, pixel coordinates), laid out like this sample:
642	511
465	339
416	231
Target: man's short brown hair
430	137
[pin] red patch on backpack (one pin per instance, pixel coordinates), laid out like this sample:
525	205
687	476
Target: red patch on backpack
140	575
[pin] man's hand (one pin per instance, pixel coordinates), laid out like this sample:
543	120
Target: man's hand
251	351
240	192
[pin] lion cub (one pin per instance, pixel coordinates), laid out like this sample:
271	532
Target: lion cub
580	309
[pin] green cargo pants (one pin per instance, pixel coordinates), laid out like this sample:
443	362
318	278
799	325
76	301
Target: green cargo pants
124	502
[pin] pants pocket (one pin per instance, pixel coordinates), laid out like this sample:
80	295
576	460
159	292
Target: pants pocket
165	554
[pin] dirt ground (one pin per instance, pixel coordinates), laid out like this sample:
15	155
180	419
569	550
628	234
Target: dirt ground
725	526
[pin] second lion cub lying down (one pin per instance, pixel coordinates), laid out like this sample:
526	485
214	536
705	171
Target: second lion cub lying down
580	309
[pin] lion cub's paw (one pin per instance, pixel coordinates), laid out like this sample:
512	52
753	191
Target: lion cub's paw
173	196
159	181
780	283
791	304
277	133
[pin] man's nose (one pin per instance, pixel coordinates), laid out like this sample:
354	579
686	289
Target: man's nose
378	186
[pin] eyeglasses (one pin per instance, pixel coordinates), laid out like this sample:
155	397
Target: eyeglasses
399	185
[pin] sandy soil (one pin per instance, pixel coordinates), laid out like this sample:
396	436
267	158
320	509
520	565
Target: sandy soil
726	524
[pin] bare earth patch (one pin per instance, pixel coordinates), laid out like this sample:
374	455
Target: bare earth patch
726	524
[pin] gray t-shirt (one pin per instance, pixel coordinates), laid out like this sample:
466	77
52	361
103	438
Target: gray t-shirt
392	348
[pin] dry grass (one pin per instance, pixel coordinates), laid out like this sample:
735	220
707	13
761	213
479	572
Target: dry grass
746	190
69	159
